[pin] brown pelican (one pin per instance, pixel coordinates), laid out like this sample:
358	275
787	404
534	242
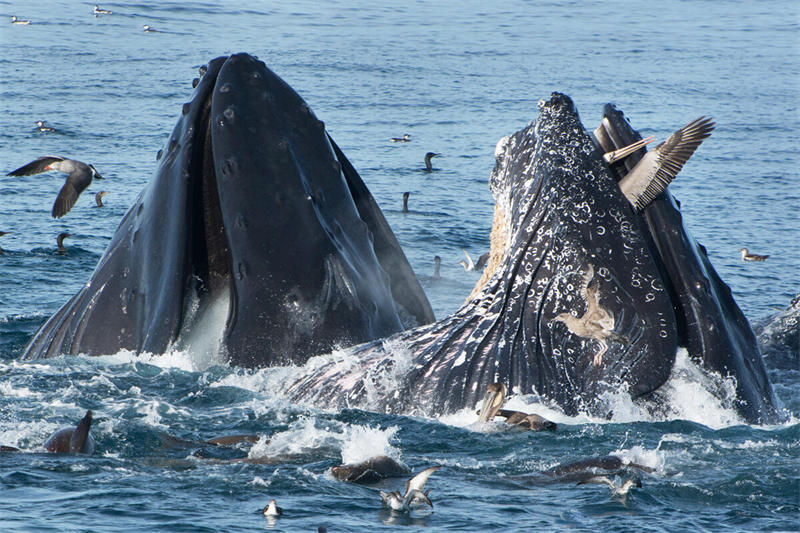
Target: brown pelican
654	172
272	509
404	139
98	11
428	157
493	400
1	234
80	176
746	256
414	491
596	323
40	126
98	198
437	263
15	20
60	240
405	201
620	491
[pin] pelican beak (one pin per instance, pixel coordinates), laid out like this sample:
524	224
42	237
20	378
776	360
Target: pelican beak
625	151
490	406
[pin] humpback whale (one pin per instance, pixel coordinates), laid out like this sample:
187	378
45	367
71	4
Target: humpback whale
560	216
253	215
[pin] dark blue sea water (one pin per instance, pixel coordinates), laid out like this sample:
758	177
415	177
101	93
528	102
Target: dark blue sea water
457	76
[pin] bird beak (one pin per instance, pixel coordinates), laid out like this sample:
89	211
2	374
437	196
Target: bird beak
98	176
488	409
625	151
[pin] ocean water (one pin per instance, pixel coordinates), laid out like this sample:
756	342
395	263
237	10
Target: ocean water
456	76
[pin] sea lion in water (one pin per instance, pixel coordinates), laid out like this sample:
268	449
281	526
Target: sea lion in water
372	470
73	440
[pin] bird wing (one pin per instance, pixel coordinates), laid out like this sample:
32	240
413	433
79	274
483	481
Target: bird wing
65	200
653	174
37	166
604	480
418	495
417	483
482	260
470	264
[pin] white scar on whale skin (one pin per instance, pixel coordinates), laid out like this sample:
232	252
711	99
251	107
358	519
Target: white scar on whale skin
596	323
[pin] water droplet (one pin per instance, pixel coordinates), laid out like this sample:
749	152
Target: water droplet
226	87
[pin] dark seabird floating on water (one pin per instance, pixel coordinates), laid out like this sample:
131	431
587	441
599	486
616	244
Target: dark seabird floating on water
60	241
98	11
80	177
149	29
42	127
493	401
19	22
405	202
428	157
437	263
404	139
747	256
98	198
414	492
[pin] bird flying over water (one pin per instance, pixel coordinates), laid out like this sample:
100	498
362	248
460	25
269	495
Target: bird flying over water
654	172
79	178
414	492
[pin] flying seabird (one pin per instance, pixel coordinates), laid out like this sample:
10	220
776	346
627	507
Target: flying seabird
60	241
414	491
596	323
41	126
746	256
493	400
98	198
404	139
15	20
428	156
98	11
405	202
437	262
654	172
618	491
272	509
80	176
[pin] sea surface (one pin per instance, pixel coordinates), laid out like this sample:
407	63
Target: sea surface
456	76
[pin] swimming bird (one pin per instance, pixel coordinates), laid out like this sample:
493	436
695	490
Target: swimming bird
98	198
15	20
620	491
80	177
596	323
60	241
654	172
746	256
493	400
414	492
404	139
428	157
149	29
405	201
44	128
73	440
98	11
1	234
272	509
437	262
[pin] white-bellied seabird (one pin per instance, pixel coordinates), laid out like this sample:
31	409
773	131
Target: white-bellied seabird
20	22
149	29
469	265
80	177
41	126
414	491
428	156
747	256
493	401
620	491
404	139
97	11
654	172
272	509
60	240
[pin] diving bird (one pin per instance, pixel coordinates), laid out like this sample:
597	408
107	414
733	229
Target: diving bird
98	11
272	509
98	198
15	20
414	491
404	139
596	323
437	263
428	157
654	172
405	202
493	400
1	234
620	491
42	127
60	241
80	176
469	265
747	256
